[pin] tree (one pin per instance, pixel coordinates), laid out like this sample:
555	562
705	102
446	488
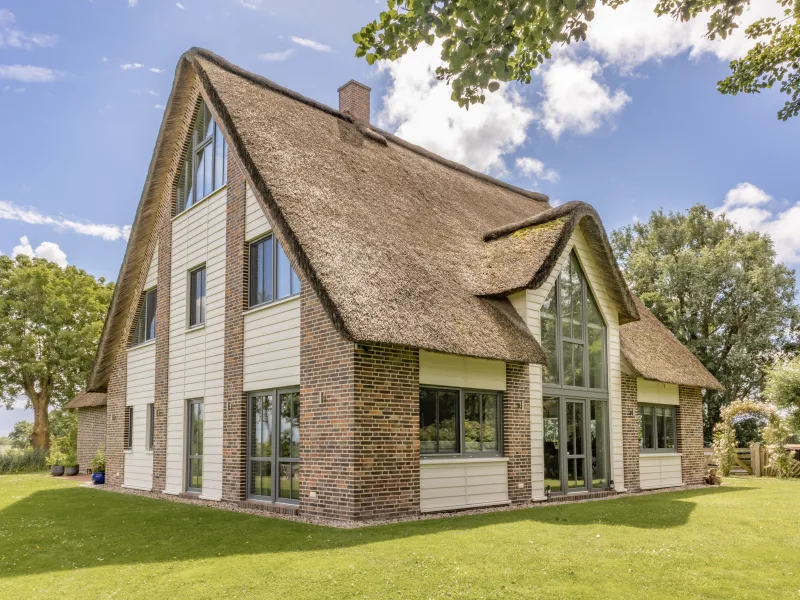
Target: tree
783	388
50	322
486	43
20	436
719	290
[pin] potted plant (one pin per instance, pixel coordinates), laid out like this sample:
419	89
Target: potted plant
99	467
56	461
71	463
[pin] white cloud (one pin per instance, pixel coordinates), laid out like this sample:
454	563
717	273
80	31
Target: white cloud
155	70
12	37
745	205
250	4
632	34
418	108
104	59
311	44
275	56
131	66
180	6
573	99
14	90
159	107
47	250
133	3
535	169
28	73
12	212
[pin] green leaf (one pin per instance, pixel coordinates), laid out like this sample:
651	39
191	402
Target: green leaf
371	58
494	86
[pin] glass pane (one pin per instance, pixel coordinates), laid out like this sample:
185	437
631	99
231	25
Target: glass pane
295	481
261	272
186	199
598	426
295	283
285	416
284	274
489	436
208	121
293	399
220	166
208	169
197	306
552	468
285	481
596	363
573	364
448	421
199	175
261	426
575	473
574	428
261	478
196	473
550	371
571	303
669	427
646	416
472	422
427	421
150	315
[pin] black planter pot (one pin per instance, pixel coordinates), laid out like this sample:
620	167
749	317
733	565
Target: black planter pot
57	470
70	471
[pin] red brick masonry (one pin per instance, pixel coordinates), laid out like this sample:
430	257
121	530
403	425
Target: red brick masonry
517	432
690	434
630	433
91	434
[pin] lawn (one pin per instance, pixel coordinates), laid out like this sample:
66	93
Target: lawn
742	540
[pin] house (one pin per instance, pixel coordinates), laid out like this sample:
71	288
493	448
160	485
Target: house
314	316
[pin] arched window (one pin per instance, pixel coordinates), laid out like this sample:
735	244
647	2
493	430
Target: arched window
205	166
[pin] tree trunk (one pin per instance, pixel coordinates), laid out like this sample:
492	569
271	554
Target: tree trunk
41	424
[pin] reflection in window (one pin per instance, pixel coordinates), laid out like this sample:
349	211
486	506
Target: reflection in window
205	167
657	427
271	276
552	435
145	329
195	446
438	422
549	343
480	421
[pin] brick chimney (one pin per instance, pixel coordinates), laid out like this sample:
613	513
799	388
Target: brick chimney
354	100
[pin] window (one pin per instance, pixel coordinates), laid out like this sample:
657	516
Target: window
197	297
573	332
128	428
271	277
657	428
151	419
459	422
145	329
273	463
205	167
194	446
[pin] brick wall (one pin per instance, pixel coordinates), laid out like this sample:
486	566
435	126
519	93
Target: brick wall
91	434
386	421
690	434
630	432
234	427
517	432
115	418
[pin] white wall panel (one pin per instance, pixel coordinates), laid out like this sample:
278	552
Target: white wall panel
461	371
658	471
463	483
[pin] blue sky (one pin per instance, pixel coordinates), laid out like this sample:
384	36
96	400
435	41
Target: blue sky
630	121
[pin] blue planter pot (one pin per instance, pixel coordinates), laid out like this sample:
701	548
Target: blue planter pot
98	478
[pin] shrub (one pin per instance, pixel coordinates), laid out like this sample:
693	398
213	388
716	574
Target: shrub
725	447
99	462
22	461
56	459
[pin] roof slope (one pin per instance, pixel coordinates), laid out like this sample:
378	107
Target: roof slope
86	399
521	255
654	353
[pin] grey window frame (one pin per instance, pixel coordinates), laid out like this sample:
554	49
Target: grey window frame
556	388
460	425
275	459
140	330
151	419
128	441
188	445
187	177
655	449
271	239
192	309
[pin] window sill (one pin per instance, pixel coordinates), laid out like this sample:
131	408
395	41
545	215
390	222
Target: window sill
199	202
195	328
461	460
659	454
267	305
142	345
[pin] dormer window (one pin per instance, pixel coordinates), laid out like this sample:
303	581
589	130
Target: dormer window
205	167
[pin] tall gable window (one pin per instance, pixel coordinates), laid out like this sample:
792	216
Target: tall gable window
205	167
145	329
575	401
271	276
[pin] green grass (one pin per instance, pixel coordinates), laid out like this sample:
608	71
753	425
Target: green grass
58	540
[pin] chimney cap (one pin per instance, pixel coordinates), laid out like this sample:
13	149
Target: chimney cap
358	83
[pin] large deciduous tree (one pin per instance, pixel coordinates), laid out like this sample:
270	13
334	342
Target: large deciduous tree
719	290
487	42
50	322
783	388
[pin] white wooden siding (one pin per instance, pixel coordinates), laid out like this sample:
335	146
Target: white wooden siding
463	483
256	223
196	358
272	346
461	371
530	312
655	392
140	392
658	471
152	271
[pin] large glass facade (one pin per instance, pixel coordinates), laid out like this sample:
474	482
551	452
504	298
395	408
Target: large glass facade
575	403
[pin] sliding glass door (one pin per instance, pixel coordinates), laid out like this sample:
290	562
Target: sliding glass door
575	444
273	464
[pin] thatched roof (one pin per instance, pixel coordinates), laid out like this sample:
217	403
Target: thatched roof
654	353
86	399
395	241
521	255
